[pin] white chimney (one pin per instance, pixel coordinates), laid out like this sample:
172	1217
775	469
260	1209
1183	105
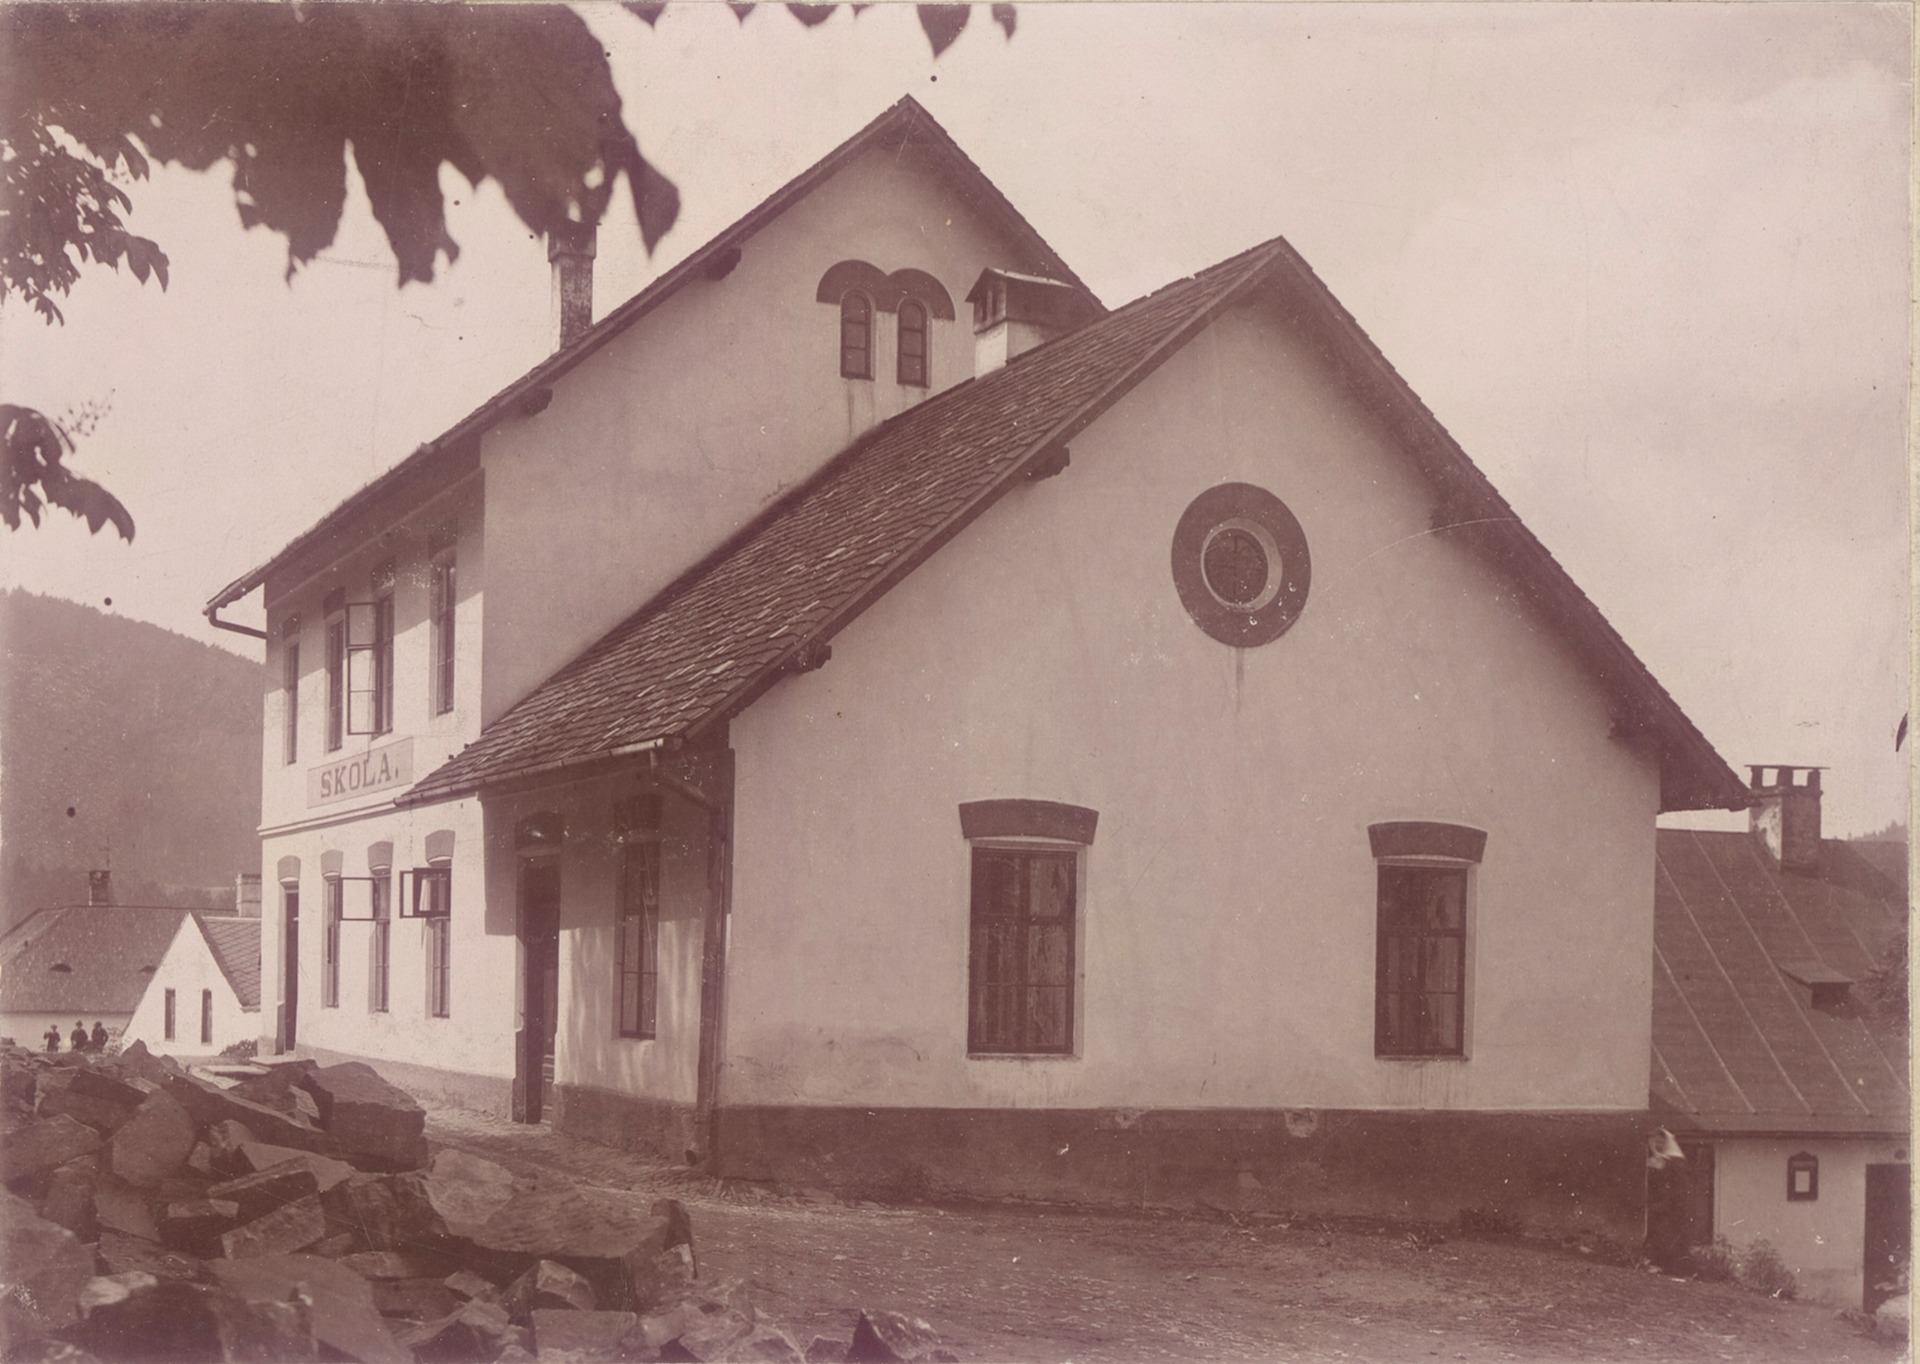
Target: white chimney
1013	313
570	250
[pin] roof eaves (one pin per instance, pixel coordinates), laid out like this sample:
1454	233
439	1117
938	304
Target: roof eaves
906	112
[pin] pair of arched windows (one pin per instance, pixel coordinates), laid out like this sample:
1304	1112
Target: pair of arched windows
912	354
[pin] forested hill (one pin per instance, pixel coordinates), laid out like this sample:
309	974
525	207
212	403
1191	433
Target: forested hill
127	745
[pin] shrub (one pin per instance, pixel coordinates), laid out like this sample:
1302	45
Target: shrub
1717	1263
241	1050
1763	1271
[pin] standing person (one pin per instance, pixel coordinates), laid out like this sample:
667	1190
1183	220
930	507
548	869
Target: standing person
99	1035
79	1039
53	1037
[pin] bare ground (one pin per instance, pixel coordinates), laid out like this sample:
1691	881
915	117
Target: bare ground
1014	1282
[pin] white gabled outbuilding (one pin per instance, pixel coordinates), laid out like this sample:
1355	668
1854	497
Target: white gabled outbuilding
205	993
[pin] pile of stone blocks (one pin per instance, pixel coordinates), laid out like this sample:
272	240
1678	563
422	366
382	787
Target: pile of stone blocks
153	1213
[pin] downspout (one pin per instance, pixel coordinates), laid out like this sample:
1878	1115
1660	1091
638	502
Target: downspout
213	619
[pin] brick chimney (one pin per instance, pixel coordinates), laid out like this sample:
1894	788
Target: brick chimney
1013	313
570	250
100	887
1786	814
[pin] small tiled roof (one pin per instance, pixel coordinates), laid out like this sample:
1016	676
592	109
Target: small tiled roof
1737	1044
452	455
235	943
711	642
108	952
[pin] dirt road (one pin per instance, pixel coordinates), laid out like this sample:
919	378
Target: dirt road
1016	1283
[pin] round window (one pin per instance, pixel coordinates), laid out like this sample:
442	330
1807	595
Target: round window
1240	564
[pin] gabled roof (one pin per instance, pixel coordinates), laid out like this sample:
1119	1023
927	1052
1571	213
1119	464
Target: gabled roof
453	454
109	953
1738	1045
764	602
235	944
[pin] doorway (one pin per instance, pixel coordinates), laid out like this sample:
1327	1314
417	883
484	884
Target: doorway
289	967
1889	1233
1680	1206
539	985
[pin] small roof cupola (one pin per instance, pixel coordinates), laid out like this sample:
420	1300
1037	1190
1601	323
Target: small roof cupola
1013	313
1786	814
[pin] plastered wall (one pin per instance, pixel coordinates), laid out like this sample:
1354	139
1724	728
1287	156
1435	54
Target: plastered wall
187	969
1227	932
1821	1241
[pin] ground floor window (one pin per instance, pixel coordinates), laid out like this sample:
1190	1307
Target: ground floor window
335	905
1422	944
639	940
1021	961
433	903
206	1017
167	1023
379	941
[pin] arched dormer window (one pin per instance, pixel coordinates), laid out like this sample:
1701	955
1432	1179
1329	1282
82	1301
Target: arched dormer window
856	336
914	360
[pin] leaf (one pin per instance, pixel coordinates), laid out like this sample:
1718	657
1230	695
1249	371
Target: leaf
811	15
1005	16
943	23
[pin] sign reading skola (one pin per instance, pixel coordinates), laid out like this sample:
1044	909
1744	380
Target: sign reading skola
375	770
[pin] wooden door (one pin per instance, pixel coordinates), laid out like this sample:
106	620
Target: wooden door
540	984
290	969
1889	1237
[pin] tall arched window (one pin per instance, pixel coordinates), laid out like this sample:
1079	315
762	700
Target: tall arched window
913	344
856	337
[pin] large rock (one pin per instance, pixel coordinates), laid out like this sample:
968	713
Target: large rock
894	1338
286	1229
506	1223
194	1226
69	1198
383	1212
138	1318
473	1331
415	1299
123	1254
394	1264
154	1143
98	1083
370	1118
344	1319
118	1206
138	1063
563	1337
209	1104
258	1156
547	1285
31	1151
43	1267
273	1187
103	1115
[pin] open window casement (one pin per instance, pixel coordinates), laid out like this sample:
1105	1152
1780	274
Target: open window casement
426	893
369	653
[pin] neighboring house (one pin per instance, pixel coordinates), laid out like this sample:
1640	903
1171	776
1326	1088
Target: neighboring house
1788	1096
864	714
205	994
80	962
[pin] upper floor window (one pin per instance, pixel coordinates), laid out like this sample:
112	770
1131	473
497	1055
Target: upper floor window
1421	904
856	337
370	657
440	578
336	636
1023	924
290	688
913	357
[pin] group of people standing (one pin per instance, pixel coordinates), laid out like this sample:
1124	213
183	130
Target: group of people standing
81	1040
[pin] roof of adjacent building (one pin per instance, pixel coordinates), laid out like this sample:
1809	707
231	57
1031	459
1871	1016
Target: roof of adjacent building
1738	1044
84	959
452	454
235	944
767	599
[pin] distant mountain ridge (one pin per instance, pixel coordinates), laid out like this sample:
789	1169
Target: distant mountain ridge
149	738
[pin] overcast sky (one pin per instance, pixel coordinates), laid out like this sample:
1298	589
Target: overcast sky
1648	263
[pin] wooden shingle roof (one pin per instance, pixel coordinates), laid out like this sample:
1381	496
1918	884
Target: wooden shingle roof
1738	1043
235	944
84	959
765	601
